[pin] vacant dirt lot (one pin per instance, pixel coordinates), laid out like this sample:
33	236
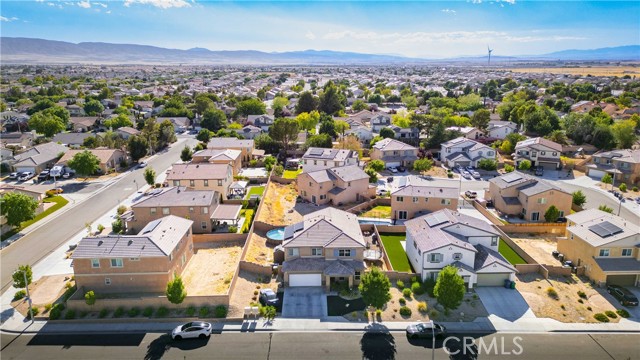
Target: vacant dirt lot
211	270
278	203
243	293
584	71
259	251
46	290
534	289
538	246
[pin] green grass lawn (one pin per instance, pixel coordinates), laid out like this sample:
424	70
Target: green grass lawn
59	203
248	214
379	211
509	254
291	174
395	252
255	190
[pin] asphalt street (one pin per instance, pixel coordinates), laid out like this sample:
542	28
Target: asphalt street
322	345
38	243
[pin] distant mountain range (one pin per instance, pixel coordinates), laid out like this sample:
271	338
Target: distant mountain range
40	51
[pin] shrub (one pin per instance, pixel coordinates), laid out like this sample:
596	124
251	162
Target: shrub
35	312
601	317
581	301
508	168
434	314
414	279
400	284
635	188
623	187
90	297
552	293
623	313
70	314
422	307
406	293
589	308
268	312
100	228
83	314
611	314
121	209
402	301
582	294
119	312
48	307
20	294
204	311
487	164
449	174
148	311
162	311
191	310
255	292
134	311
233	229
55	313
220	311
103	313
405	311
417	289
429	286
563	307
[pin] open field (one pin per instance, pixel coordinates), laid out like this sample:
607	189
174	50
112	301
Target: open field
584	70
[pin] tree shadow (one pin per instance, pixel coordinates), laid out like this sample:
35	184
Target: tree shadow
158	347
377	343
457	346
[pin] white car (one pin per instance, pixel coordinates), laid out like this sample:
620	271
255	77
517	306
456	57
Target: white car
142	164
196	329
26	176
475	174
466	175
393	170
13	175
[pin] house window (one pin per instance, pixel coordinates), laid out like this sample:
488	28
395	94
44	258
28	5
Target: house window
555	153
490	153
534	153
205	210
191	209
293	252
435	258
627	252
176	182
153	211
524	211
95	263
604	252
165	211
543	153
542	200
116	263
402	215
445	201
480	153
457	256
219	182
206	182
203	224
535	216
134	259
310	184
494	241
561	213
415	244
192	183
107	281
399	198
184	259
315	162
415	199
316	252
348	184
344	252
322	197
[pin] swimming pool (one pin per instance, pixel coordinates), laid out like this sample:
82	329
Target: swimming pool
276	234
374	221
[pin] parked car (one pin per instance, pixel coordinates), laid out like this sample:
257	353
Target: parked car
43	175
13	175
426	330
142	164
268	298
539	170
561	220
469	168
68	174
57	190
458	168
24	176
475	174
196	329
57	171
381	191
466	175
401	168
638	200
392	169
623	295
471	194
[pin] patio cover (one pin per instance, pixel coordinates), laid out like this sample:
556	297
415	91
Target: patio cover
226	212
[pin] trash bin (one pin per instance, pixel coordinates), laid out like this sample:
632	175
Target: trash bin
507	283
513	284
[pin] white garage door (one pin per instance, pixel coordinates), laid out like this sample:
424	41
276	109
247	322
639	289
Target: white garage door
392	164
25	169
492	279
305	280
596	174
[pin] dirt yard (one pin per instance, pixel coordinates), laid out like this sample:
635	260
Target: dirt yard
436	172
46	290
244	292
538	246
211	270
278	205
259	251
534	289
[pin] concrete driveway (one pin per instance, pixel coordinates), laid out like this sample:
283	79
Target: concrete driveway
633	310
304	302
507	304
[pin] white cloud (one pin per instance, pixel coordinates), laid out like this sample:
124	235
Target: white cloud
101	4
310	35
448	11
163	4
51	4
459	37
2	18
509	1
84	4
108	12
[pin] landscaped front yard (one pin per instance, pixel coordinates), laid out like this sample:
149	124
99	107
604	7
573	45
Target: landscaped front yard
291	174
395	252
510	254
58	202
379	211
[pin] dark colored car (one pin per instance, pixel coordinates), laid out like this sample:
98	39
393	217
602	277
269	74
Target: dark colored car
539	170
425	330
401	169
43	175
623	295
269	298
561	220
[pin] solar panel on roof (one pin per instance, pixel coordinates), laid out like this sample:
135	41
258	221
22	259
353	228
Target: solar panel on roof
435	219
316	152
605	229
511	178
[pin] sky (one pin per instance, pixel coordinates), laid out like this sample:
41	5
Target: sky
427	29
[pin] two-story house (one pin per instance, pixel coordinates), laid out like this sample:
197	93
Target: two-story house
145	262
447	238
326	246
339	185
249	131
394	153
231	157
416	196
410	134
527	196
467	131
605	245
540	151
202	176
500	129
245	146
264	122
320	158
623	165
380	121
83	124
464	152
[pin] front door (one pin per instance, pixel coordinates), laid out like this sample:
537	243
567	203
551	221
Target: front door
402	215
313	199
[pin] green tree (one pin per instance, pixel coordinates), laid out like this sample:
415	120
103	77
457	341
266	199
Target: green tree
91	142
559	137
213	119
359	105
93	107
487	164
202	103
373	175
331	100
320	140
524	165
375	140
624	133
269	162
19	275
250	107
308	121
327	126
40	105
387	133
90	297
341	127
186	154
480	119
374	288
605	208
284	131
450	288
204	136
410	101
552	214
377	165
117	122
175	291
278	104
607	179
150	175
306	103
47	124
84	163
579	198
117	226
422	165
266	143
138	147
18	207
506	147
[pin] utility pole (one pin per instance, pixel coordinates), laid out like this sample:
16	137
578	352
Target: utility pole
26	286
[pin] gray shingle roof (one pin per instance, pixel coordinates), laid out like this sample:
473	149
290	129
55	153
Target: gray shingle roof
328	227
198	171
584	219
179	196
229	143
391	144
618	264
486	257
328	267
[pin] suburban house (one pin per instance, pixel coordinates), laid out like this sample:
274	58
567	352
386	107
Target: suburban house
75	110
363	133
394	153
38	158
263	122
500	129
380	121
17	139
606	246
180	124
409	134
83	124
320	158
623	164
245	146
340	185
127	131
110	159
71	139
34	194
464	152
540	151
145	262
447	237
249	131
327	246
467	131
231	157
415	196
526	196
202	176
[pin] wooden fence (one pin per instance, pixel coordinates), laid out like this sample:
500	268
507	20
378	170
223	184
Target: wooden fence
220	237
78	303
369	204
256	268
534	228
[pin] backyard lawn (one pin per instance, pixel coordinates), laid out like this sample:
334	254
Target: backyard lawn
255	190
291	174
509	254
59	202
395	252
379	211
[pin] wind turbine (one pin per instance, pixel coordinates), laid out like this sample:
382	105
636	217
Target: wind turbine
489	50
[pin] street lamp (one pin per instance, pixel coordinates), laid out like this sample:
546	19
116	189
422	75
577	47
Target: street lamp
26	286
433	339
135	182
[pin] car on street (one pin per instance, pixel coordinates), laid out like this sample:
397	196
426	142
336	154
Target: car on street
268	298
57	190
14	175
426	330
68	174
475	174
471	194
466	175
142	164
43	175
623	295
392	169
195	329
401	169
24	176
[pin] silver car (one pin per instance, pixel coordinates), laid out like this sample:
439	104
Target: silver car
466	175
475	174
195	329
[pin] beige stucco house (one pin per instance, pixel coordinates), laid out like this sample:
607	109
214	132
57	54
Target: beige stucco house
202	176
110	159
416	196
540	152
394	153
229	156
245	146
623	164
340	185
320	158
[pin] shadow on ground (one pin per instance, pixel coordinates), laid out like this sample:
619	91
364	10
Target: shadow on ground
158	347
377	343
68	341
